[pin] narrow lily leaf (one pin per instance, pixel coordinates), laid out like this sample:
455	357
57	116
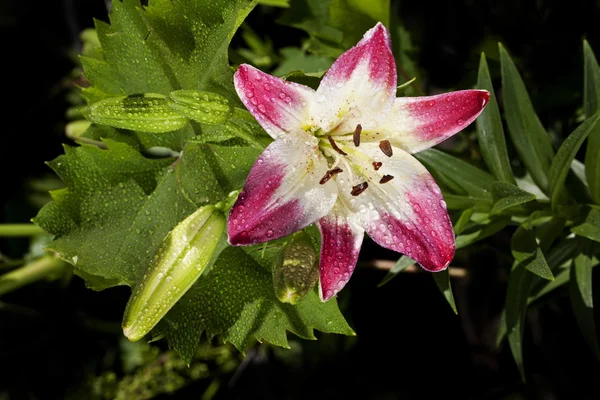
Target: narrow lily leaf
203	107
507	195
478	232
591	105
561	163
462	221
539	266
590	227
454	202
490	133
526	131
580	291
473	180
402	264
442	280
145	113
525	250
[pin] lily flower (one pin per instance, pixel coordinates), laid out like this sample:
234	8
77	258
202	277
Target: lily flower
341	158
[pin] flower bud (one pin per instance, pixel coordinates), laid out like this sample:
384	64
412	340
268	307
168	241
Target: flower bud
296	271
204	107
180	260
147	112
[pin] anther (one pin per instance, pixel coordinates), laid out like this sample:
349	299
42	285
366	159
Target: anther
386	147
335	146
358	189
377	165
386	178
329	174
356	135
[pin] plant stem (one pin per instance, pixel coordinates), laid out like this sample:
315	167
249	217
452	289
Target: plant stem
41	268
18	230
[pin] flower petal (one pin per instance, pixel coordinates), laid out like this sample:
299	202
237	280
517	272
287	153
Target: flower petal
282	193
417	123
405	213
279	106
341	239
363	78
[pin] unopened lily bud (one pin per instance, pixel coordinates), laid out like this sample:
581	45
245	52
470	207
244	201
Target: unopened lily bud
180	260
204	107
296	270
147	112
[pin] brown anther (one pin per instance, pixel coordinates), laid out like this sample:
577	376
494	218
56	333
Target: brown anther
386	178
377	165
356	135
386	147
335	146
329	174
358	189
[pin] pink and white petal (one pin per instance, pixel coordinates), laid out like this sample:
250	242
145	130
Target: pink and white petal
282	193
406	214
417	123
341	240
279	106
360	86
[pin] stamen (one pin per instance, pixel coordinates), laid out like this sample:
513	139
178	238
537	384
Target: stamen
386	147
358	189
356	135
335	146
386	178
329	174
377	165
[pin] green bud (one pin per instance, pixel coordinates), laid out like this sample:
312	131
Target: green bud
147	112
181	259
296	271
204	107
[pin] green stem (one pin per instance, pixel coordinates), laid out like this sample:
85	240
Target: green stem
18	230
41	268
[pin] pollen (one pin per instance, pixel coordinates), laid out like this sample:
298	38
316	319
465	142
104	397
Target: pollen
356	135
358	189
386	148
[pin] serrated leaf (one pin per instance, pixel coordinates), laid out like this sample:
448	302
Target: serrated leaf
401	265
561	163
473	180
490	133
591	105
442	280
580	291
526	131
589	227
507	195
236	299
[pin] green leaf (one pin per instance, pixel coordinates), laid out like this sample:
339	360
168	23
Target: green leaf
442	280
591	105
295	59
490	133
561	163
473	180
401	265
355	17
462	221
507	195
526	131
275	3
580	291
589	226
525	250
203	107
478	231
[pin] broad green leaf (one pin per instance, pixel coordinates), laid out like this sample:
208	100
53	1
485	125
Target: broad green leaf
442	280
580	290
591	106
202	107
526	131
507	195
490	133
589	227
561	163
401	265
112	217
474	181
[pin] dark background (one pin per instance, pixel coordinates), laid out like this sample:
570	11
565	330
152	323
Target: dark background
409	344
